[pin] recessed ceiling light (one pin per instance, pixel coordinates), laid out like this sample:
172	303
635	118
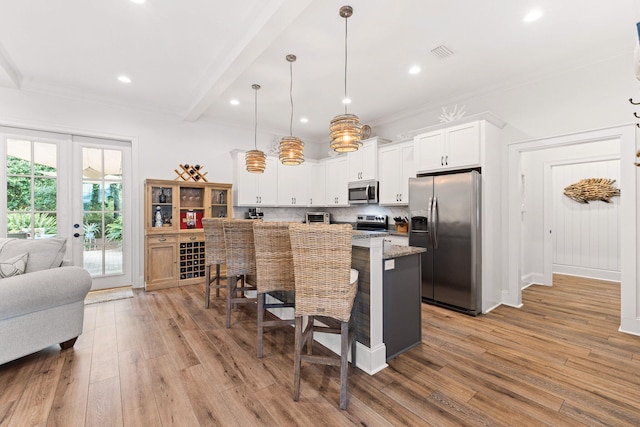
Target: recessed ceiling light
234	102
304	120
414	70
124	79
533	15
346	101
138	1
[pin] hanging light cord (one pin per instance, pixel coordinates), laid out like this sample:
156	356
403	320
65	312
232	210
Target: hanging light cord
291	97
255	129
345	64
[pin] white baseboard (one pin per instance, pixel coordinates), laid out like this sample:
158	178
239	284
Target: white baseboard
592	273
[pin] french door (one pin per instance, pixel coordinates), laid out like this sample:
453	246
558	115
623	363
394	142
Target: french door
76	187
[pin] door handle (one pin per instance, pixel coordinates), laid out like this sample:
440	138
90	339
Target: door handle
434	222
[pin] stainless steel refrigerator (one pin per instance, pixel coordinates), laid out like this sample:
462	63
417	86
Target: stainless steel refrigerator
445	218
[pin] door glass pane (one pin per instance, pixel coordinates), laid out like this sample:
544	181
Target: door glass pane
102	217
31	189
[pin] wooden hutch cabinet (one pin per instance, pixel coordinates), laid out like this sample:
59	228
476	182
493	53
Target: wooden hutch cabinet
174	239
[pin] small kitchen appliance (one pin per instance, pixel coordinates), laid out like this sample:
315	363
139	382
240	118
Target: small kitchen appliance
363	192
317	218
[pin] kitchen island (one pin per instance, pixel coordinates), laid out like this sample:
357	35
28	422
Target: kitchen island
368	256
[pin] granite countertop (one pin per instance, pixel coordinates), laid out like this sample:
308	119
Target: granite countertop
396	251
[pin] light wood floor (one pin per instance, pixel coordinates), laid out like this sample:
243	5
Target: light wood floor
161	359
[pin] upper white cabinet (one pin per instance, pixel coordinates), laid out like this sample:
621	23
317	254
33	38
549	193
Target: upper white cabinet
451	148
292	185
255	189
363	164
317	185
395	167
337	193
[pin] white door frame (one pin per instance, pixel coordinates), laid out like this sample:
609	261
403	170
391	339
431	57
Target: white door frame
630	305
65	225
549	208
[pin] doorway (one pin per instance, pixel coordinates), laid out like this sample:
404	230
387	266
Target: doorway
78	187
625	137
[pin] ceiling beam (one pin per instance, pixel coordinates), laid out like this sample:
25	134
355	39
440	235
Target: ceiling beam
270	23
8	67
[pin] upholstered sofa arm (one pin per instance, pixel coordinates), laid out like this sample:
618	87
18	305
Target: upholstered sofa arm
45	289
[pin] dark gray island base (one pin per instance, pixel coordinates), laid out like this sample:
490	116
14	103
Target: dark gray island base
402	300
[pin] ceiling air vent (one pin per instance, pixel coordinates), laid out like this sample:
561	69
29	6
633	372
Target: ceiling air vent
442	51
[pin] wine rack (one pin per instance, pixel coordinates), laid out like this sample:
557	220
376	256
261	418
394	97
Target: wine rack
192	260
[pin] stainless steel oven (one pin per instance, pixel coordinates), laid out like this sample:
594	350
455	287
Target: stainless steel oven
363	192
317	218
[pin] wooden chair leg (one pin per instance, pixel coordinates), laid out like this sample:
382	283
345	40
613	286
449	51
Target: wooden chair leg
344	351
309	335
217	280
230	293
297	361
68	344
261	300
207	286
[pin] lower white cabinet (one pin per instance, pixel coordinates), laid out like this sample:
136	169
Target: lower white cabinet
395	167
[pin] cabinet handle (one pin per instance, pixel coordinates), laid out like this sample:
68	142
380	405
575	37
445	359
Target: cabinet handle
256	199
446	160
162	239
441	160
400	196
310	200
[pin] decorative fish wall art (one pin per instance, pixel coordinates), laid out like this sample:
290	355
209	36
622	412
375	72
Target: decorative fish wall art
592	189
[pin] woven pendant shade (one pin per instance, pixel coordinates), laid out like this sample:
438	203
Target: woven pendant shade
345	130
256	161
291	151
346	133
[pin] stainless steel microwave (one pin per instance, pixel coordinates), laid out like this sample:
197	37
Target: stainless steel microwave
363	192
317	218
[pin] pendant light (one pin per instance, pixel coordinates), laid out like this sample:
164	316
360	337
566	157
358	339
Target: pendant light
255	159
345	129
291	147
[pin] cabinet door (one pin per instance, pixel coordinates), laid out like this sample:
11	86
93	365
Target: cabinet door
390	165
369	160
354	164
336	179
429	149
316	185
246	184
162	199
292	185
408	171
463	146
268	183
161	259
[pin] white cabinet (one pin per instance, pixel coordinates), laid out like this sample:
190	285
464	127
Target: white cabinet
292	185
395	167
255	189
316	185
447	149
363	164
337	192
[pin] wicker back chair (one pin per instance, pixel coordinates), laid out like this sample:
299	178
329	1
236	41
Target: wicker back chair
215	254
240	261
326	286
274	265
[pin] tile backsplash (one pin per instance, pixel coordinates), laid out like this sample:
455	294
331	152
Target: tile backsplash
344	214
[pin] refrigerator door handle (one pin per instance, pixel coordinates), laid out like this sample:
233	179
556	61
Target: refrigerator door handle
434	222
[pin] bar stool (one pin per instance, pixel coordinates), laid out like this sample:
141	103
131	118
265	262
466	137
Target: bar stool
274	265
215	254
241	261
326	287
